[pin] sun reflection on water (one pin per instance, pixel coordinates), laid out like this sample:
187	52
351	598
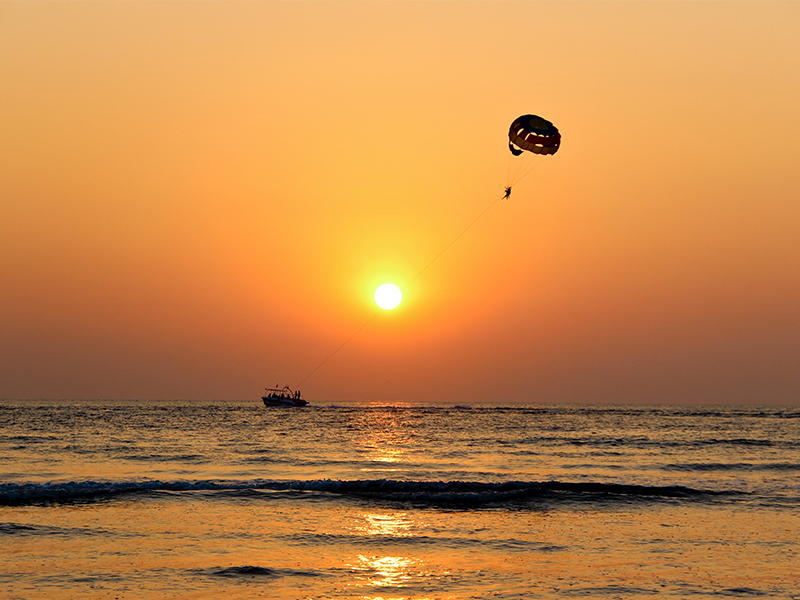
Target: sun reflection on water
386	571
384	437
394	524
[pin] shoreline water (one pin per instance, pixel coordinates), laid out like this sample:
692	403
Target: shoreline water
155	500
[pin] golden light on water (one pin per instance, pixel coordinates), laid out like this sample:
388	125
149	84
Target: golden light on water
388	571
381	570
394	524
385	439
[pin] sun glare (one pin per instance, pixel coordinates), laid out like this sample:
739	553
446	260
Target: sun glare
388	296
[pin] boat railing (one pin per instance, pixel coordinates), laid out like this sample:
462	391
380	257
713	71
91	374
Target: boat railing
284	392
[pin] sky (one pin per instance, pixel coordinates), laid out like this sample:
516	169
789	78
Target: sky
198	200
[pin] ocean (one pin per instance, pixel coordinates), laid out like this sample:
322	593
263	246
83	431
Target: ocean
113	499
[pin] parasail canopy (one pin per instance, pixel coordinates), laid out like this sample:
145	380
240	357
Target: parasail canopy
533	134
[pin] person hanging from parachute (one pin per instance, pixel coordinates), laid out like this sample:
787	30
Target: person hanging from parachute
534	134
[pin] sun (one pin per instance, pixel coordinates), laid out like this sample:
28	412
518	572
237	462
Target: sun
388	296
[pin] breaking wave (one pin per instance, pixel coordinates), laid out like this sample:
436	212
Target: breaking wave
469	494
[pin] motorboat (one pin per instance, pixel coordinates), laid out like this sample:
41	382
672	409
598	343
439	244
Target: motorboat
283	397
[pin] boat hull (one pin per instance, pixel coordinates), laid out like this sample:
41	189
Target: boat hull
283	402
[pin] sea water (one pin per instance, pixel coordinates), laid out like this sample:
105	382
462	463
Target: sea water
103	499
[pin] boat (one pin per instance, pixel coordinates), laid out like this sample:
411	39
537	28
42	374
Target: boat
283	397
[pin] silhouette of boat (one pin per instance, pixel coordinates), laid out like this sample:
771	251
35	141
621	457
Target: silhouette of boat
283	397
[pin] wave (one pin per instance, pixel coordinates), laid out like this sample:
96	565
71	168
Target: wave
253	572
705	467
379	540
16	529
467	494
247	571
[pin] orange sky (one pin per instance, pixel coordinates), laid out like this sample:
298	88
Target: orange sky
199	199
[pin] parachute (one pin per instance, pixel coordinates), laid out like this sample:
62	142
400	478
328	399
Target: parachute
537	136
533	134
